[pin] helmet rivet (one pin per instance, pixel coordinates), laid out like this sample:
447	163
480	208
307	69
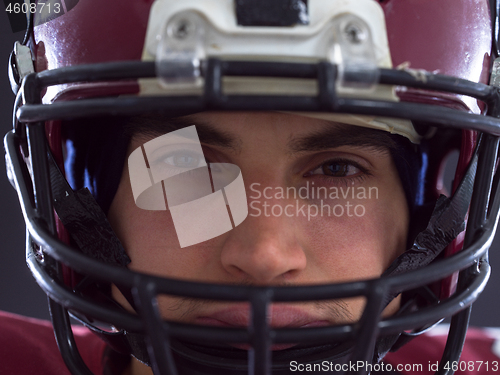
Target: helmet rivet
354	33
181	29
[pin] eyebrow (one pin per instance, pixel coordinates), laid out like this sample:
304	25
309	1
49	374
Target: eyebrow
154	126
337	135
331	136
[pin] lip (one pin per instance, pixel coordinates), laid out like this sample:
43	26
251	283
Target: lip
281	317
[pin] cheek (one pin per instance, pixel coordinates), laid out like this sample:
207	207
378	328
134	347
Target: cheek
151	242
362	242
148	236
387	223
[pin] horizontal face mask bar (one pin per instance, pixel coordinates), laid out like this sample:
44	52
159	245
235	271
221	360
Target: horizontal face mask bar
325	101
132	70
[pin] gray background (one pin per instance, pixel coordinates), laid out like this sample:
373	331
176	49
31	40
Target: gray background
18	291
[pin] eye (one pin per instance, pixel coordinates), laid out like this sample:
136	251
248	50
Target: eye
179	159
183	160
337	168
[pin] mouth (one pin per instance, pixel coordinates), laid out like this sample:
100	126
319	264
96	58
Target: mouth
279	317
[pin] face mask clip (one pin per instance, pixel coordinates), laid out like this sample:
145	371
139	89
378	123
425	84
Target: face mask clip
180	50
353	51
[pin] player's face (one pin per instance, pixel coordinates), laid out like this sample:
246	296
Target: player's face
325	205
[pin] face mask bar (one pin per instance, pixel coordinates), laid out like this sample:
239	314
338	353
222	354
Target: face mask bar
214	99
34	192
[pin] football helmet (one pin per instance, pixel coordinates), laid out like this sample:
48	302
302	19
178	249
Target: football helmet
424	70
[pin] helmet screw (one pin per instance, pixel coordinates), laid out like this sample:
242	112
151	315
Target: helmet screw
354	33
181	29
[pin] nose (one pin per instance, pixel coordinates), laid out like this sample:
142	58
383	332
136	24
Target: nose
264	250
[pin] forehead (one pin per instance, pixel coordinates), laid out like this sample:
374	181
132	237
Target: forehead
237	130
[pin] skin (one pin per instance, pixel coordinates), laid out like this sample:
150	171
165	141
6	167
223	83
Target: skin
273	250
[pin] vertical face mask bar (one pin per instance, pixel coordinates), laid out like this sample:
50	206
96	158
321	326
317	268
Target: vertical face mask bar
213	83
38	156
62	327
159	348
478	217
327	75
485	173
368	327
259	357
65	340
38	152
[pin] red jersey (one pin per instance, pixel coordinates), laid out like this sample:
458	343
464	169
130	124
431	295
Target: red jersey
481	353
28	346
